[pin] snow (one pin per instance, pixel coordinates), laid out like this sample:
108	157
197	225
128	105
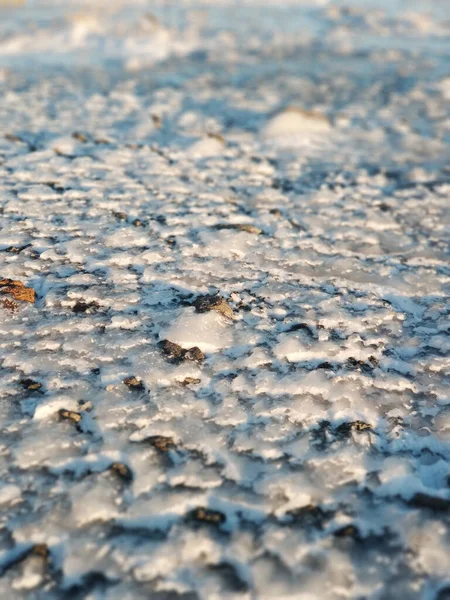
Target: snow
293	122
209	331
292	159
9	494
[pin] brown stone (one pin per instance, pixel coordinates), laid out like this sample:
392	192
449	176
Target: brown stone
69	415
190	381
30	384
206	515
213	302
133	383
18	290
122	470
247	227
161	442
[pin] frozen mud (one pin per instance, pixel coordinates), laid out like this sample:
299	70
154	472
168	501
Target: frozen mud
234	379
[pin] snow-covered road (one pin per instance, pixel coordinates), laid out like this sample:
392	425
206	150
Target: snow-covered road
234	379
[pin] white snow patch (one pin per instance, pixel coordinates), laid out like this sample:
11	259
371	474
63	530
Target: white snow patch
209	331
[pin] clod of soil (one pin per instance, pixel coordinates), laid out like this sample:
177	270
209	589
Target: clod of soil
11	137
213	302
190	381
40	550
161	442
81	307
69	415
16	249
30	384
194	354
18	290
308	516
171	350
134	383
122	471
176	353
157	121
217	136
345	428
10	305
364	366
239	227
80	137
207	515
324	365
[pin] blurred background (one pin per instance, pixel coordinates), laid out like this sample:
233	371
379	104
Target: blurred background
380	67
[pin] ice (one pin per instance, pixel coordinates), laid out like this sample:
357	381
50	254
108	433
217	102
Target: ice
209	331
293	122
10	494
289	161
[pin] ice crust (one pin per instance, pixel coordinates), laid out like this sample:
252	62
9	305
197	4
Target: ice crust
291	158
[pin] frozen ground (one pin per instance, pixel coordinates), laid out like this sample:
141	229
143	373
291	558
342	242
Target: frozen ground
301	449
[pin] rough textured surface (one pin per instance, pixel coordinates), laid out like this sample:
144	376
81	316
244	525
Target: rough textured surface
290	436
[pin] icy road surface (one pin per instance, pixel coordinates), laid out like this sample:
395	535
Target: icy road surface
234	381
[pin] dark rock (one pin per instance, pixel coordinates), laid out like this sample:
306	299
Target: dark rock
81	306
70	415
213	302
157	121
207	515
11	137
16	249
247	227
80	137
122	471
171	350
194	354
30	384
308	516
190	381
360	365
176	353
161	442
134	383
346	428
324	365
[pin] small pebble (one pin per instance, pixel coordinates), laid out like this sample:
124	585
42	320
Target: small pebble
134	383
213	302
